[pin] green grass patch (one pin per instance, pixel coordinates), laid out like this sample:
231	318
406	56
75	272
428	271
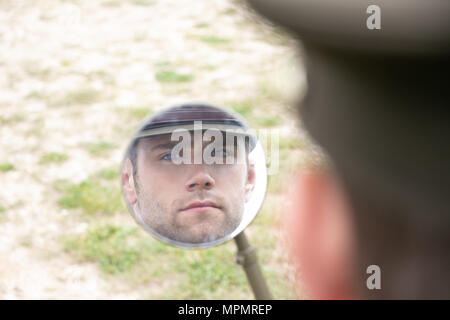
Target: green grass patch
13	119
269	91
229	11
2	213
211	274
267	121
162	63
26	241
140	36
101	75
244	107
111	4
276	183
6	166
99	148
210	67
138	113
80	96
201	25
143	3
97	194
214	40
109	173
140	260
172	76
33	69
65	63
269	212
53	157
290	143
116	249
36	95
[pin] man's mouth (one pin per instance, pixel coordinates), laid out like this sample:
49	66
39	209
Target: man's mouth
200	206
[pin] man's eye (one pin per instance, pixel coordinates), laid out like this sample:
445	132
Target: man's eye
222	153
167	156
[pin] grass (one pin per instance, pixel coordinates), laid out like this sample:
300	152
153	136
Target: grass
53	157
266	122
244	107
137	113
39	95
290	142
162	63
143	3
6	166
252	108
65	63
276	183
100	148
173	76
115	248
229	11
111	4
140	36
109	173
13	119
211	273
80	96
26	241
35	130
32	69
210	67
98	194
124	251
2	213
101	75
268	213
189	274
215	40
201	25
271	92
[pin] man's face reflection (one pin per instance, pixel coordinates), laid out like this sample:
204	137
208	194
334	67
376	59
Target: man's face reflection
190	203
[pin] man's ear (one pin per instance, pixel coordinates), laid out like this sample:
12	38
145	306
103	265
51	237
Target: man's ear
321	236
128	182
250	183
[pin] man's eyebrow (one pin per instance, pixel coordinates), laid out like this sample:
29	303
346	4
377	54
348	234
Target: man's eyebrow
165	145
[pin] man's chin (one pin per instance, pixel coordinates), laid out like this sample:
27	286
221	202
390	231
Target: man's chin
202	234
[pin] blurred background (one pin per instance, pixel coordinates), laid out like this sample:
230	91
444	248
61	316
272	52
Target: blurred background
77	78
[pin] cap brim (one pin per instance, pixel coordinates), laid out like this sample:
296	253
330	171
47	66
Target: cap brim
231	129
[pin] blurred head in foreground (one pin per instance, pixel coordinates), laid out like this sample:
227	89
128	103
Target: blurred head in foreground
378	103
185	178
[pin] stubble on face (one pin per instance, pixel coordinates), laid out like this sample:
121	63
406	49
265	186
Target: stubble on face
201	227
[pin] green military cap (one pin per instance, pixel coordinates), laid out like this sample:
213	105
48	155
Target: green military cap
413	26
378	100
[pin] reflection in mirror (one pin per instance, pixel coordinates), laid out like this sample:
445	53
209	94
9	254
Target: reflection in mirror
194	175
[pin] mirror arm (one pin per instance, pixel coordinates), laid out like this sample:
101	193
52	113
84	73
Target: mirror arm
246	256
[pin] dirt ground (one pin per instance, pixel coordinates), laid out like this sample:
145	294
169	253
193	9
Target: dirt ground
68	70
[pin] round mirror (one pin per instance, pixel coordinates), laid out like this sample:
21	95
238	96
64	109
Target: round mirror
194	175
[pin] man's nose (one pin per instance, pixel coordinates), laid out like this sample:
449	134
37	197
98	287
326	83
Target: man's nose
200	179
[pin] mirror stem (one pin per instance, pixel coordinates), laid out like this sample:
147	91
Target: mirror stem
246	256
